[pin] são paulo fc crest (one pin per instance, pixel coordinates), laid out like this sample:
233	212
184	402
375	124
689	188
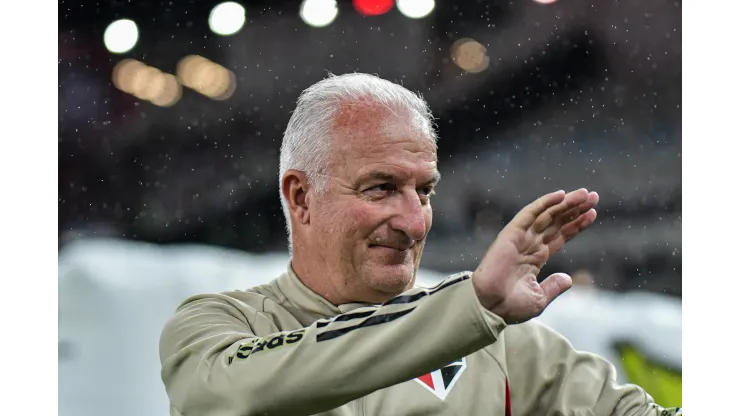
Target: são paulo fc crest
440	382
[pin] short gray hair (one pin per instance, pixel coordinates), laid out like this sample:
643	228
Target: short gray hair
306	141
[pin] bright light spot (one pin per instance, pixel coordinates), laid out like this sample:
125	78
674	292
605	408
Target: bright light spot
470	55
545	1
373	7
227	18
206	77
121	36
415	9
319	13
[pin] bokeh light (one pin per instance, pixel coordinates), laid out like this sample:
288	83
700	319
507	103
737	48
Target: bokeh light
373	7
121	36
169	94
227	18
415	9
206	77
470	55
146	83
319	13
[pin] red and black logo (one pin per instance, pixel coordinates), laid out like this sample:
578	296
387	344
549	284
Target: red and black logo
440	382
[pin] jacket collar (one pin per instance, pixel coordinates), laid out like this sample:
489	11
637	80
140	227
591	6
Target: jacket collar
306	300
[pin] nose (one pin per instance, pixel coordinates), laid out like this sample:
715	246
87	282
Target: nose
410	218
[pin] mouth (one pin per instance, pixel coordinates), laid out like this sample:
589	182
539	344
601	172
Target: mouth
395	249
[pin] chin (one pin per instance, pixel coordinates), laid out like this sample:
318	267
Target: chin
390	279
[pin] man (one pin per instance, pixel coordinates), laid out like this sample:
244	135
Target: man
344	331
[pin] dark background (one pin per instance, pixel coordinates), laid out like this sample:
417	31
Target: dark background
577	94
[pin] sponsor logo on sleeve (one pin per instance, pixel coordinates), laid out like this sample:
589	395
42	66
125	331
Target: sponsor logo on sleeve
254	346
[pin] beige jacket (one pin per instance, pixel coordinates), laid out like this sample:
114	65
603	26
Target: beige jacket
281	349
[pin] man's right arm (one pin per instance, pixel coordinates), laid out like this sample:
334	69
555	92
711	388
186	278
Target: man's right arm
213	364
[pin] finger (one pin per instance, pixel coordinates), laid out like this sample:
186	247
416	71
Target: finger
571	201
555	285
570	215
591	202
593	197
526	217
575	227
570	230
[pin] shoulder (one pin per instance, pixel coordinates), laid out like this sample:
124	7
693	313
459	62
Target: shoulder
243	304
205	316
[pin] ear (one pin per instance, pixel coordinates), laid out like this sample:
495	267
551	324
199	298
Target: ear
295	191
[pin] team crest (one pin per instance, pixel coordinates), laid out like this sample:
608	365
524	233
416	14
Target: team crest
440	382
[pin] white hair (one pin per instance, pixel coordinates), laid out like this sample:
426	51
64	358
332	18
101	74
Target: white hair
307	139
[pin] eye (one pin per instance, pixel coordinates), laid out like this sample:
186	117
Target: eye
426	191
381	188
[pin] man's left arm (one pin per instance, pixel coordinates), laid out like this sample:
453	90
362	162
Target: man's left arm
547	376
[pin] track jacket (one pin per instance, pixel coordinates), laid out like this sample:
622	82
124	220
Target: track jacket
281	349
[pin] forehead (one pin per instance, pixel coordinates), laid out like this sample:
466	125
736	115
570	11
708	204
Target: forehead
371	137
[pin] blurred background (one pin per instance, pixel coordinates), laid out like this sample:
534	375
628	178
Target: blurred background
170	121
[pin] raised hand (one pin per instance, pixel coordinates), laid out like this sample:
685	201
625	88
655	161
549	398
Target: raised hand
506	279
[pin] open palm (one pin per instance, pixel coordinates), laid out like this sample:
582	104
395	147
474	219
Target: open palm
506	279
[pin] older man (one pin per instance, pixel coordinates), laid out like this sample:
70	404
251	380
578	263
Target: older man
344	332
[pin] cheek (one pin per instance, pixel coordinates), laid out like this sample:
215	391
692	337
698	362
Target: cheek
364	217
328	219
361	218
346	221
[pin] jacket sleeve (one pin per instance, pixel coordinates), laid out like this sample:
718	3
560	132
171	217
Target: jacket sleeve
549	377
213	364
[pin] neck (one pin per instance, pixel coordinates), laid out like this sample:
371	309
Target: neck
320	283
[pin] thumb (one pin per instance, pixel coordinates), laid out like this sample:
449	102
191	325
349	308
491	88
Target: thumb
555	285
